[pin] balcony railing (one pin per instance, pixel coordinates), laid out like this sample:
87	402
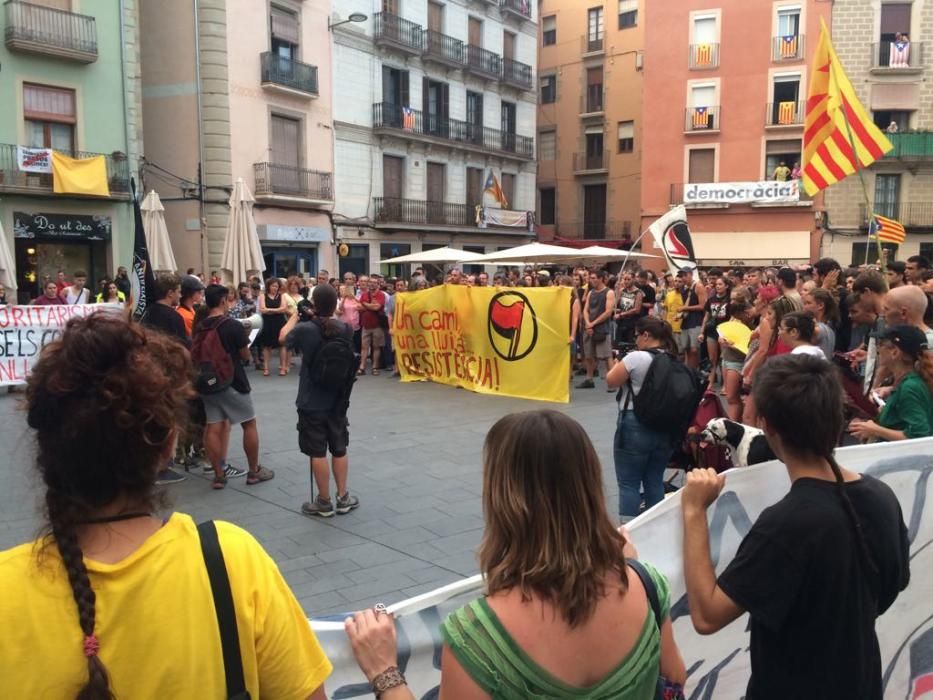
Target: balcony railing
789	47
400	33
518	8
914	145
703	56
288	181
442	48
285	72
592	44
12	178
702	118
590	162
785	113
412	121
482	62
897	55
50	31
592	101
396	210
516	74
910	214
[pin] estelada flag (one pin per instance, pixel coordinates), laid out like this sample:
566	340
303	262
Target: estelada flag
492	187
79	175
887	230
672	236
833	114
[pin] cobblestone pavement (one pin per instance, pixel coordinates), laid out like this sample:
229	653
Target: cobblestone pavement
414	463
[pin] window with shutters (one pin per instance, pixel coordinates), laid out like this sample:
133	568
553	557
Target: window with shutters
286	153
474	177
628	13
547	205
594	29
594	89
50	117
547	145
594	211
508	189
893	48
285	33
887	195
777	151
702	165
626	137
548	89
549	31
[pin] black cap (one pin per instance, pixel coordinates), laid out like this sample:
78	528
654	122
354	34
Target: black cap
190	283
910	339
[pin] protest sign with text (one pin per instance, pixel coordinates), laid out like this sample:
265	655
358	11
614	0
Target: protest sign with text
512	342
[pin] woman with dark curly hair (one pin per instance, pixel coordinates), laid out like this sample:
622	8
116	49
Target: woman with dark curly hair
114	600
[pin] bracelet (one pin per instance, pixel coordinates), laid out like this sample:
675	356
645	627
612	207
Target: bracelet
388	679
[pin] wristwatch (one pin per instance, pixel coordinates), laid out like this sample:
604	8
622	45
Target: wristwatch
388	679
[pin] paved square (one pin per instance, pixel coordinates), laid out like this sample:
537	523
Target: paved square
415	452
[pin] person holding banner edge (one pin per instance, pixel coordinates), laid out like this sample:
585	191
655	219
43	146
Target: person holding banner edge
818	567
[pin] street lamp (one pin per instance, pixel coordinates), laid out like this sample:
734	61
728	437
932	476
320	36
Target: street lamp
354	17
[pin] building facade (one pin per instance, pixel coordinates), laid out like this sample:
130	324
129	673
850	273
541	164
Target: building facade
725	87
589	120
432	100
69	82
891	81
237	89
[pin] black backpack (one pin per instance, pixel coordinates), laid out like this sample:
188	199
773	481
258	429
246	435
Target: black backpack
668	397
334	363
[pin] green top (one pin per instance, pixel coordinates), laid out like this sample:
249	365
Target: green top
909	408
500	668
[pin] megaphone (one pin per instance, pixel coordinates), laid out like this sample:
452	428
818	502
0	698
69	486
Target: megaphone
253	323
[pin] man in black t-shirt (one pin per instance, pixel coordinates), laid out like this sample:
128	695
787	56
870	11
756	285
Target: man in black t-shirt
649	296
818	567
161	314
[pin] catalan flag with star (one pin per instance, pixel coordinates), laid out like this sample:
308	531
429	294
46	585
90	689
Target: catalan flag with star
887	230
828	153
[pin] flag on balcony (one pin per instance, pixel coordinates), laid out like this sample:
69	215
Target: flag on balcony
700	117
492	187
887	230
789	46
704	54
79	175
899	55
408	119
833	111
787	112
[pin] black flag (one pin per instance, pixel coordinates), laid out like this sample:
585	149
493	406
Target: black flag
142	279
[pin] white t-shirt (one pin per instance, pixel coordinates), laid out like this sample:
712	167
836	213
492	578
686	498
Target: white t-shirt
72	298
637	364
814	350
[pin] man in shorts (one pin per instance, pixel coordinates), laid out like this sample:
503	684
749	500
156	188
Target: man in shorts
692	311
598	306
232	404
673	303
373	301
322	411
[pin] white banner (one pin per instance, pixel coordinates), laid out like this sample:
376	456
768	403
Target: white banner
504	217
34	160
765	192
718	664
25	330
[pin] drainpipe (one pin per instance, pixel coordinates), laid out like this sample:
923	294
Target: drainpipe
197	86
126	122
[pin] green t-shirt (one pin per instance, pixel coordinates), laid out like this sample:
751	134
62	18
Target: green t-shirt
502	669
909	408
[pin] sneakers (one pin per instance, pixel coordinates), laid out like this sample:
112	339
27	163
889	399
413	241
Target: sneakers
232	472
261	474
168	476
586	384
319	508
346	503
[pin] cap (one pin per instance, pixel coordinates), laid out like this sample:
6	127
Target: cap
910	339
190	283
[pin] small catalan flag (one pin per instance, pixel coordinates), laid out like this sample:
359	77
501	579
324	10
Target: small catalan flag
887	230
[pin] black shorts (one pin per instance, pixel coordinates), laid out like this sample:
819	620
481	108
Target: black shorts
319	431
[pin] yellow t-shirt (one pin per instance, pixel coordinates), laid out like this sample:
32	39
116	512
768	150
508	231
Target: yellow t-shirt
155	622
673	301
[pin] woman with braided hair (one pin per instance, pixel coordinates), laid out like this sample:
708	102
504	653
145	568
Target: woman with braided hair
114	601
819	566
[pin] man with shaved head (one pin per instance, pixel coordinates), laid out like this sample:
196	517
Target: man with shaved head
906	305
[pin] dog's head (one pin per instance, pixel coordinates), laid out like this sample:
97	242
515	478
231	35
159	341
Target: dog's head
715	431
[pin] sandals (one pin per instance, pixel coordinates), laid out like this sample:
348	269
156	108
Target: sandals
375	372
261	474
282	371
265	372
360	372
219	482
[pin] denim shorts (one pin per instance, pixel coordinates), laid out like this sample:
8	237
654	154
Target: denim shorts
734	366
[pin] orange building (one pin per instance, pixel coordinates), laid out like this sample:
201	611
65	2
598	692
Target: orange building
725	85
589	119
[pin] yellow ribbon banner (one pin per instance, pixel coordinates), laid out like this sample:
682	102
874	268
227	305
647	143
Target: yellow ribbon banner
510	342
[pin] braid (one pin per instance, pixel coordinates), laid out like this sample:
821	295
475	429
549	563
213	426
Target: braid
850	512
63	532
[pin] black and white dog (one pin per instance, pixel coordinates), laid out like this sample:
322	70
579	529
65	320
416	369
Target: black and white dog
747	444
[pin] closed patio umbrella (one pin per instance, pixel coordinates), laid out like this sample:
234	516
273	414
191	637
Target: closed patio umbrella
161	256
242	252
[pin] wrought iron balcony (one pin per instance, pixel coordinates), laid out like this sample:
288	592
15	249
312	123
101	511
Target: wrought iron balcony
703	56
892	56
12	179
913	215
395	210
592	44
586	163
398	33
516	74
50	31
702	118
414	123
294	76
592	101
274	180
789	47
484	63
520	9
785	113
442	49
913	145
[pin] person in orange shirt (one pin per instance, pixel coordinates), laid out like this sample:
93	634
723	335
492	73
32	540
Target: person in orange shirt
192	294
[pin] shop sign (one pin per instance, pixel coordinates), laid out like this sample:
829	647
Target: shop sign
293	234
61	226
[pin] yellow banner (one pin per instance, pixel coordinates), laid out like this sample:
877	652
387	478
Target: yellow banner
79	176
511	342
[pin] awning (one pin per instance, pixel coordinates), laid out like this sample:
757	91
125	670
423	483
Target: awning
752	249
